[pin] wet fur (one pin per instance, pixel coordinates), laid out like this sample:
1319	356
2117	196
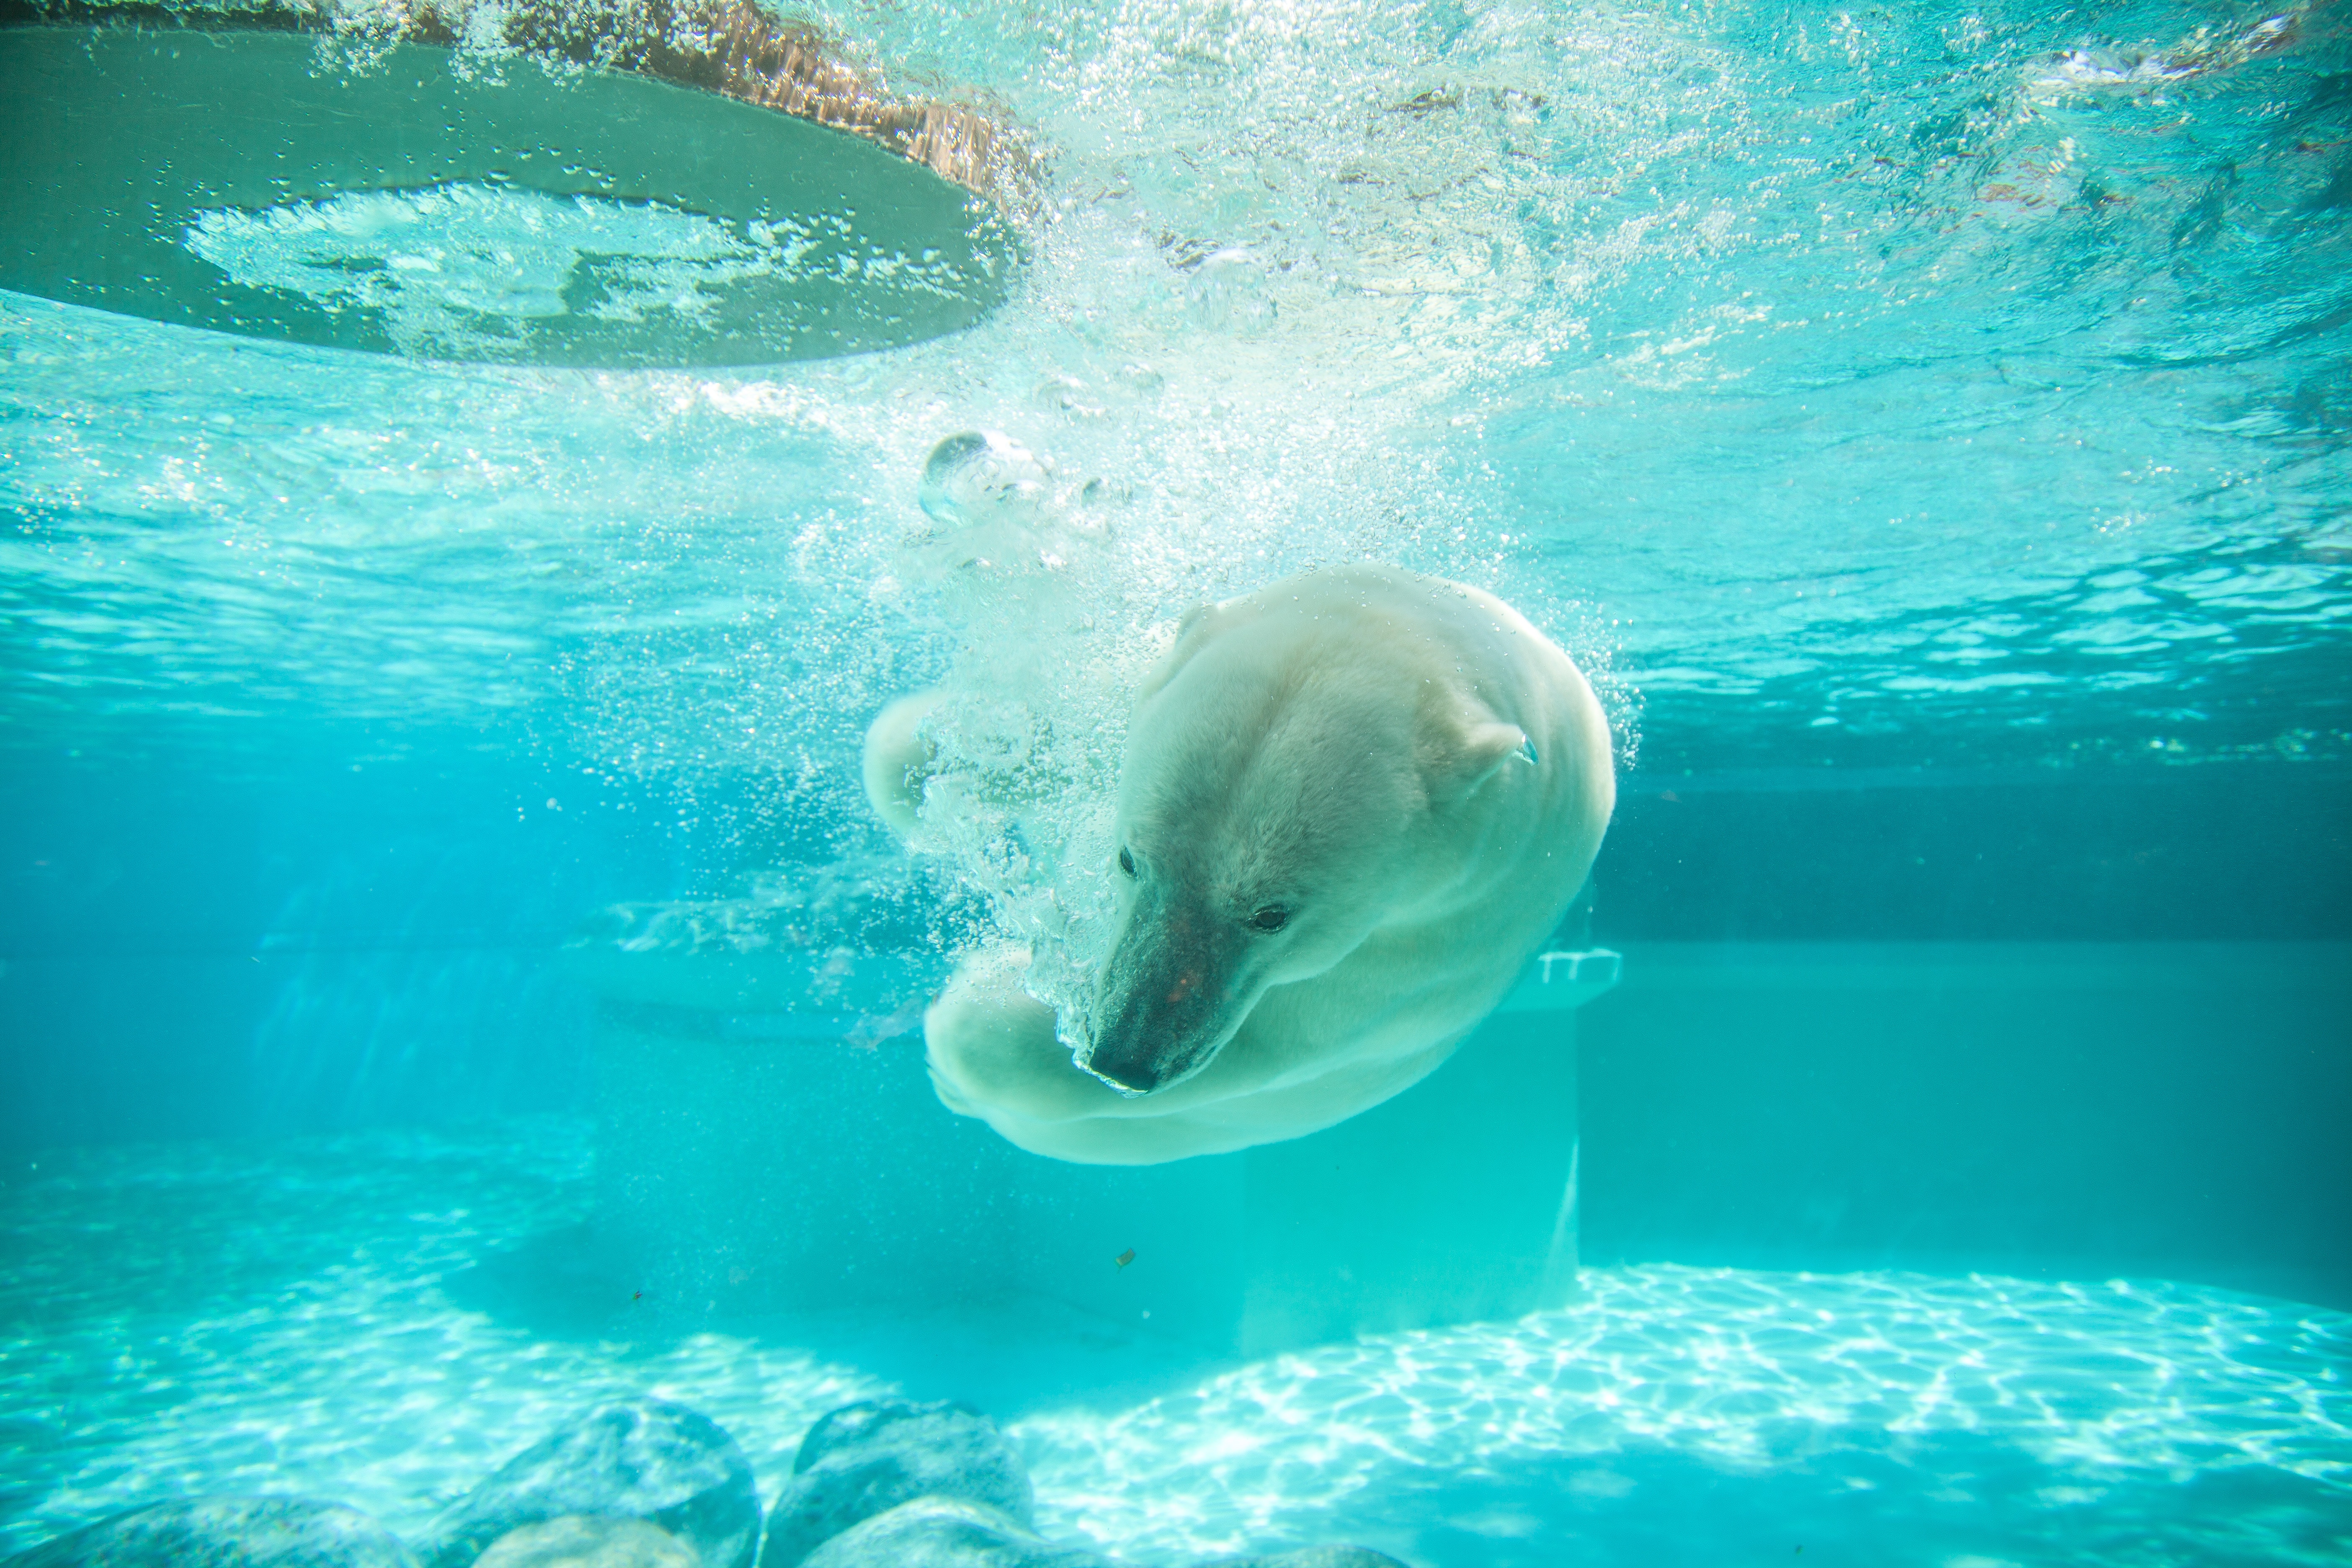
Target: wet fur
1410	770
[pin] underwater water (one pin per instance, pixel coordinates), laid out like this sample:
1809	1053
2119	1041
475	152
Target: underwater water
450	975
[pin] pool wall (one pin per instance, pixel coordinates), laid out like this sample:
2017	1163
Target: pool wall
2081	1024
2051	1109
745	1168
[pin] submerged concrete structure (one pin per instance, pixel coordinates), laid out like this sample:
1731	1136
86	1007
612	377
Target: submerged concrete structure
767	1144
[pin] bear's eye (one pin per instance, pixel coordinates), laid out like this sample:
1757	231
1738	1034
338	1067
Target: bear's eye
1274	917
1125	861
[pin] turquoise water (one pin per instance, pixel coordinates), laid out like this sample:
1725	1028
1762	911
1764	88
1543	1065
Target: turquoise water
1930	426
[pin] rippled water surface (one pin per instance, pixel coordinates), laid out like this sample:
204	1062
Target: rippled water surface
1921	384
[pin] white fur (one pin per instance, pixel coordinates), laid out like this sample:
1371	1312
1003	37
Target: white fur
1412	776
896	758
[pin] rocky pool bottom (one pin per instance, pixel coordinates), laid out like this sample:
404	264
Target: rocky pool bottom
328	1319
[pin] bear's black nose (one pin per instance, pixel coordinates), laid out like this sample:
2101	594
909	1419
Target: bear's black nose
1134	1077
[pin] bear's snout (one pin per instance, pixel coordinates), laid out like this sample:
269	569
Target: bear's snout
1171	995
1136	1078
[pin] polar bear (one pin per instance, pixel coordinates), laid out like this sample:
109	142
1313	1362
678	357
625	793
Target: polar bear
1352	805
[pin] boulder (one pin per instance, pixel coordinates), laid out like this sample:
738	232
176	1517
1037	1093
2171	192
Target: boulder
945	1532
589	1540
639	1459
225	1532
863	1459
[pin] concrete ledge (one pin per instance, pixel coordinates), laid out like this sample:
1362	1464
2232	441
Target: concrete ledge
1652	967
1563	982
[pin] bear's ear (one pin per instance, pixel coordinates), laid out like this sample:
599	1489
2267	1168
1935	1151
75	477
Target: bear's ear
1471	752
1192	634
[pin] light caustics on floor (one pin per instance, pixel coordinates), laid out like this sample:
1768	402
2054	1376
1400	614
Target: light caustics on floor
230	1318
2084	1384
276	1319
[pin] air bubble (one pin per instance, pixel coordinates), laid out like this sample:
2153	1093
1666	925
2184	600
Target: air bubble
1067	395
981	476
1228	294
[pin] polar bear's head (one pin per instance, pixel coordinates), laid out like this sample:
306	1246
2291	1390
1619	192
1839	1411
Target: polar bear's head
1287	790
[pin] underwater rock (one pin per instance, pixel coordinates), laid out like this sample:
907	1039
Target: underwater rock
1314	1557
589	1540
867	1459
945	1532
640	1460
225	1532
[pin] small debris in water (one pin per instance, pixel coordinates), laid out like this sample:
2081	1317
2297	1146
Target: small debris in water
1124	1258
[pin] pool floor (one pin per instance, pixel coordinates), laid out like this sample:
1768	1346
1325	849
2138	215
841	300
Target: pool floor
317	1317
